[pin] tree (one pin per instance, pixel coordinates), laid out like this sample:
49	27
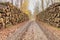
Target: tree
17	3
24	5
21	2
47	3
3	0
36	9
56	0
42	4
52	1
12	1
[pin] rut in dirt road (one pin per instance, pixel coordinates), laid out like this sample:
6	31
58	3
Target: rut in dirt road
34	33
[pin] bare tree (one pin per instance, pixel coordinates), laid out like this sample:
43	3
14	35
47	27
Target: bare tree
36	9
42	4
52	1
3	0
12	1
47	2
17	3
56	0
21	1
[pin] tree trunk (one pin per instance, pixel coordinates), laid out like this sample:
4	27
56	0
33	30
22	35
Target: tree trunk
42	4
47	2
12	1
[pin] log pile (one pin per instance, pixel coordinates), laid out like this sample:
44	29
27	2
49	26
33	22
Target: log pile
10	14
51	15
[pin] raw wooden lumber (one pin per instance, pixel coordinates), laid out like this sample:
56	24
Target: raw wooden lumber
9	14
51	15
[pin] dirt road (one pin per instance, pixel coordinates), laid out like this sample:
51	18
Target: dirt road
34	32
29	31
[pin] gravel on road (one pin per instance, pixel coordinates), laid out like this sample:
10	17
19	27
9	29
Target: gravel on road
34	33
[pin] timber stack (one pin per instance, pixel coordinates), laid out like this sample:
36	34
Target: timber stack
11	15
51	15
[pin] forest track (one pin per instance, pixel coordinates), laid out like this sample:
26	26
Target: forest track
33	32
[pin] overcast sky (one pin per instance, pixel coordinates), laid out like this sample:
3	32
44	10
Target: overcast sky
31	5
33	2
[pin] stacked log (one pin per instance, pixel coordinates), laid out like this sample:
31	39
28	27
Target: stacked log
9	14
51	15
